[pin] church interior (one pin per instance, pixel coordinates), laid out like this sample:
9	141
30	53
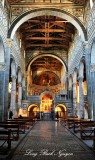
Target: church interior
47	61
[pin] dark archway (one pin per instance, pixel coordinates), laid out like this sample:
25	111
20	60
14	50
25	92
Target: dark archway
60	111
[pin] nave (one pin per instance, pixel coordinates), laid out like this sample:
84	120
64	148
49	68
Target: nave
50	140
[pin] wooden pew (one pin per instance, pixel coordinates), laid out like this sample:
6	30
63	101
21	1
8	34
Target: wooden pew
69	122
77	123
29	121
5	135
14	129
87	132
26	119
20	123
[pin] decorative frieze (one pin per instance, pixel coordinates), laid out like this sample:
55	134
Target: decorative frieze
76	11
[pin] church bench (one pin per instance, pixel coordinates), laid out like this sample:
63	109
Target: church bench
77	123
28	120
13	127
22	124
74	123
69	122
5	135
87	132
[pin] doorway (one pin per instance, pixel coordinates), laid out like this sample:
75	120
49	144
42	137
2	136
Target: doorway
60	111
47	106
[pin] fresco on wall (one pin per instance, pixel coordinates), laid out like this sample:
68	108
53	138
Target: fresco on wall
46	78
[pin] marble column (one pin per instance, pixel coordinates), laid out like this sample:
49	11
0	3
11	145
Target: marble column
23	89
92	109
87	51
2	90
13	95
70	88
74	100
6	84
81	98
19	94
67	85
23	93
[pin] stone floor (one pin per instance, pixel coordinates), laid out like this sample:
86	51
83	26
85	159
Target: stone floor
49	140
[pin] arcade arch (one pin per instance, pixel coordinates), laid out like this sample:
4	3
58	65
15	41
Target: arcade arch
51	11
44	70
60	111
33	110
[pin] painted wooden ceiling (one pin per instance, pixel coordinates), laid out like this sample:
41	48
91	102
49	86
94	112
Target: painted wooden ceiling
46	33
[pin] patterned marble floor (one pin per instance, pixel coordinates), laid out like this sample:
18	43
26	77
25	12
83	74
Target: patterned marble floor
49	140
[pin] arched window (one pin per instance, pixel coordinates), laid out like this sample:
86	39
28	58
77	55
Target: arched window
91	3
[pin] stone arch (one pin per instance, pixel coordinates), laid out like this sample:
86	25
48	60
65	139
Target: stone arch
32	106
64	107
47	11
61	111
51	55
33	110
2	52
46	92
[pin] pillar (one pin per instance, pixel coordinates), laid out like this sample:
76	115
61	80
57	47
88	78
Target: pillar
13	95
87	51
19	94
70	88
2	90
74	100
81	98
92	109
6	78
23	90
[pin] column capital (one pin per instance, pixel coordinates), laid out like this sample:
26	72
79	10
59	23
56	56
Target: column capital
9	42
